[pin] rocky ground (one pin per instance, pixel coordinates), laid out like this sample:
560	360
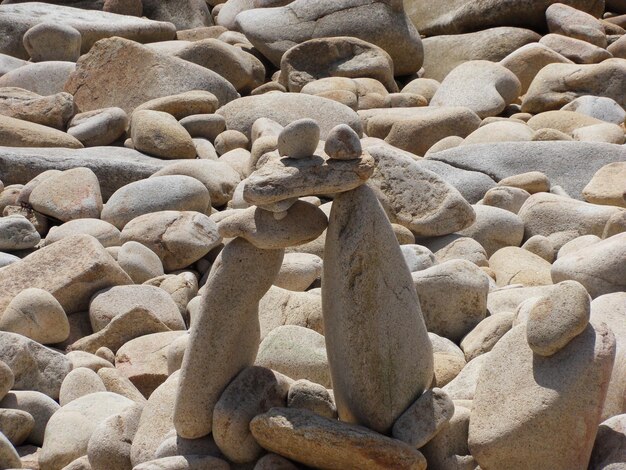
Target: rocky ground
276	235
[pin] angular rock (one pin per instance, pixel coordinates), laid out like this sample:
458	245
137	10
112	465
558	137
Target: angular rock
321	442
122	73
607	186
366	288
53	111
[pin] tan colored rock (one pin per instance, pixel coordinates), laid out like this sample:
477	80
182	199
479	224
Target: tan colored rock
494	228
7	379
44	78
541	403
159	134
78	383
53	111
98	127
500	131
85	359
463	386
580	52
116	382
107	234
321	442
168	234
18	133
284	307
486	334
298	271
366	287
564	121
312	396
533	182
541	246
609	448
52	41
463	248
607	185
506	197
71	194
604	132
139	261
514	265
228	323
8	455
185	462
41	407
36	314
16	425
72	270
123	73
17	233
181	105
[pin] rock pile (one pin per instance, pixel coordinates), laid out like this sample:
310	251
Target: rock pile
293	234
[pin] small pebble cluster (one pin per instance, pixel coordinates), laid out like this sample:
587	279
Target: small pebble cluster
298	234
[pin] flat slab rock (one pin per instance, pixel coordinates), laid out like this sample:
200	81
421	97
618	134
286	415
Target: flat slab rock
568	164
16	19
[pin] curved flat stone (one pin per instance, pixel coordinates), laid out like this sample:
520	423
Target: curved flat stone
285	178
379	352
93	25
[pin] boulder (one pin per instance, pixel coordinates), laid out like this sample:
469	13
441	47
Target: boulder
53	110
44	78
18	133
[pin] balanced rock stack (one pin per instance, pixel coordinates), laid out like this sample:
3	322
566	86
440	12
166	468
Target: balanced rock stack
294	234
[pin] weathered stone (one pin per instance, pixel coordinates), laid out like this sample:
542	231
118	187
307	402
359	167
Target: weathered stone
78	383
183	104
486	334
283	307
580	52
52	41
44	78
312	396
18	133
41	407
367	289
185	462
8	455
184	14
321	442
159	134
139	262
598	107
609	448
53	111
298	271
104	232
607	185
513	265
16	425
98	127
17	233
116	382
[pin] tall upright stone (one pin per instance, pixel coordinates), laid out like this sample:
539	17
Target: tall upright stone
379	353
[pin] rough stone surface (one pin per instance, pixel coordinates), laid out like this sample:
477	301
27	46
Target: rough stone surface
18	133
41	407
53	111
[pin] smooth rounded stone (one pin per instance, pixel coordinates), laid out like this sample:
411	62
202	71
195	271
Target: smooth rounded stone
500	131
577	244
513	265
342	143
44	78
176	351
616	224
555	85
607	186
10	194
230	140
143	360
41	407
254	391
34	366
335	56
298	271
116	301
316	441
274	462
556	319
106	354
36	314
549	134
506	197
181	287
463	16
71	194
599	107
425	87
88	360
37	220
204	149
284	178
482	86
463	248
183	14
545	214
540	403
424	418
605	132
17	233
611	310
494	228
181	105
417	257
8	63
296	352
564	121
207	126
107	76
116	382
121	7
6	259
565	20
159	134
416	130
302	223
532	182
486	334
307	395
382	24
7	379
528	60
9	457
609	448
443	53
78	383
463	386
580	52
19	133
415	197
107	234
69	429
280	307
367	288
163	193
98	127
284	108
179	238
228	324
53	111
219	178
176	445
299	139
16	425
139	262
110	443
452	296
449	359
542	247
599	267
185	462
52	41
